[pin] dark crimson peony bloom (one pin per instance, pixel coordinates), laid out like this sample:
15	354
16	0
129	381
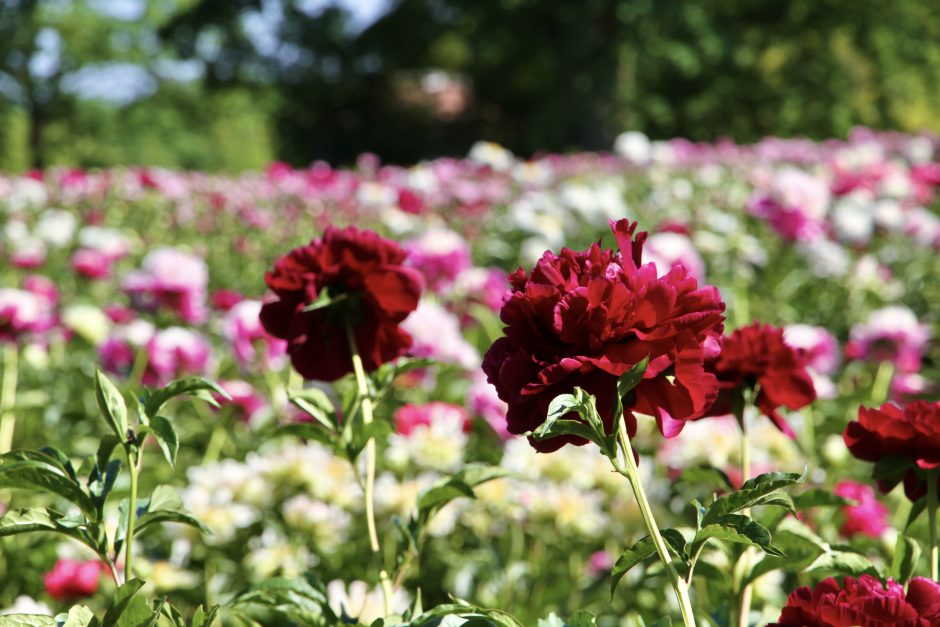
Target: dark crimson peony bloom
756	355
865	602
912	432
371	289
585	318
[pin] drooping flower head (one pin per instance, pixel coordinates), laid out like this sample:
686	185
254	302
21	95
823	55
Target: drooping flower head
369	288
756	357
863	601
585	318
911	432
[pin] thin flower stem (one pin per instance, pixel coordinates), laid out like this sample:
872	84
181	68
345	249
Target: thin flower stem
8	396
631	472
366	405
134	469
932	518
745	564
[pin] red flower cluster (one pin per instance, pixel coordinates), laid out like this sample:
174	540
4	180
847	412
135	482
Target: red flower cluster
912	432
71	579
864	602
756	355
585	318
371	290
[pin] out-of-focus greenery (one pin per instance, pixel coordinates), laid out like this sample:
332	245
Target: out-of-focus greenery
539	75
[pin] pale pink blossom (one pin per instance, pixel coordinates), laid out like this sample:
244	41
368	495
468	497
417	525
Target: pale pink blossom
669	249
890	334
173	279
242	328
795	206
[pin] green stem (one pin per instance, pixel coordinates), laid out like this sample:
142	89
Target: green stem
881	386
367	417
8	397
745	563
131	518
932	518
629	469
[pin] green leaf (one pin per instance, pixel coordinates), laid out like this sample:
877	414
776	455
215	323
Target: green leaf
816	497
906	555
27	620
582	618
79	616
31	475
761	490
676	542
708	475
842	563
278	599
127	608
192	386
891	468
62	459
105	450
917	508
592	428
165	505
632	377
111	404
564	427
165	433
307	431
641	550
205	618
317	404
736	528
458	485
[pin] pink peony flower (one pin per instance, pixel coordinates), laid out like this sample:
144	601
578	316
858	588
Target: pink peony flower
816	345
437	335
409	417
23	312
119	351
890	334
795	205
176	352
485	402
224	300
599	564
248	402
670	249
71	579
243	330
173	279
91	263
440	255
868	518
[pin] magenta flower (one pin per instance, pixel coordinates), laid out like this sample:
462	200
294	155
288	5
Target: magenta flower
409	417
248	402
485	402
23	313
890	334
176	352
243	330
440	255
670	249
71	579
868	517
170	279
795	205
91	263
119	351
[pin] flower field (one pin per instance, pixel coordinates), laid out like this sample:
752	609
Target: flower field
472	391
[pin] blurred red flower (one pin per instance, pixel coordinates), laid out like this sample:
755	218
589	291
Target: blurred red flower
72	579
371	291
585	318
865	602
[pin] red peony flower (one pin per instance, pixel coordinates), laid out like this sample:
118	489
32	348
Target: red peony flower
71	579
756	355
912	432
865	602
370	288
585	318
